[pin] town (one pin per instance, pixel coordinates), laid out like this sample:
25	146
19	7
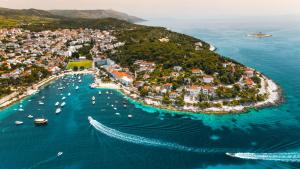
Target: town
29	57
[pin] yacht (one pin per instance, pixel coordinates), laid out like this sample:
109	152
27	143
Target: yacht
62	104
30	116
40	121
57	103
58	110
59	154
18	122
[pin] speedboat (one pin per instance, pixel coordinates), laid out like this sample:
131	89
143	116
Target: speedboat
77	87
62	104
93	102
117	114
115	108
30	116
63	98
130	116
40	121
69	94
60	88
93	98
59	154
41	103
21	109
57	103
58	110
79	81
99	92
18	122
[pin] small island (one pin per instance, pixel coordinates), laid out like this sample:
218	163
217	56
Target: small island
152	65
260	35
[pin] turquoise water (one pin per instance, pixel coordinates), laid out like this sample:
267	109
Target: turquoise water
154	138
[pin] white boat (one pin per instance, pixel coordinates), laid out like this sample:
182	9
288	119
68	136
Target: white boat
125	105
93	98
40	121
79	81
30	116
58	110
118	114
108	97
130	116
43	97
21	109
63	98
41	103
18	122
59	154
77	87
93	102
99	92
115	108
107	92
57	103
69	94
60	88
62	104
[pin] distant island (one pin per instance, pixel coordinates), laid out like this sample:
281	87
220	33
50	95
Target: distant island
260	35
152	65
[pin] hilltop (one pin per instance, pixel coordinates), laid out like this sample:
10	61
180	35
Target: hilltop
95	14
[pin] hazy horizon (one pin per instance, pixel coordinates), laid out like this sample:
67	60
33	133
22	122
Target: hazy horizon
170	8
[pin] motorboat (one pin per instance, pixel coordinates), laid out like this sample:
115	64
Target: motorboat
69	94
18	123
99	92
21	109
62	104
57	103
59	154
41	103
130	116
93	98
58	110
118	114
40	121
30	116
77	87
60	88
93	102
63	98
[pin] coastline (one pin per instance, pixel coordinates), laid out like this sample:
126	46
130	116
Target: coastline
275	97
17	96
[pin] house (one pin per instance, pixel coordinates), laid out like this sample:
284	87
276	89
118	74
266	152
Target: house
166	88
196	71
249	82
122	77
173	95
207	90
164	40
249	72
208	79
177	68
193	90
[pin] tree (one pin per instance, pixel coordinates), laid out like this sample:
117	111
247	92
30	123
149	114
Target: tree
166	99
75	68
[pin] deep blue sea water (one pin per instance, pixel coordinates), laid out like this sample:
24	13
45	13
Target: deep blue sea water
274	129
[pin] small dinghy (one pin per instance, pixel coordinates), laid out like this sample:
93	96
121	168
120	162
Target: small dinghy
18	123
58	110
62	104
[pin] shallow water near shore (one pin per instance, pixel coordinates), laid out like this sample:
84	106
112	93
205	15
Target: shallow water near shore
275	129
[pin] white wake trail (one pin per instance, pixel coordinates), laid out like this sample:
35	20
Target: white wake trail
283	157
145	141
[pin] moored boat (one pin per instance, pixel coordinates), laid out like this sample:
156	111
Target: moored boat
93	98
18	122
40	121
30	116
58	110
62	104
57	103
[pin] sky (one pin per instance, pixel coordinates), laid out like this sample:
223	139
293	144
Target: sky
170	8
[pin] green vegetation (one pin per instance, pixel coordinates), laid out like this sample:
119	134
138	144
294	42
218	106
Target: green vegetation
79	64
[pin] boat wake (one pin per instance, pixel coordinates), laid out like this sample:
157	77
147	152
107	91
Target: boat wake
46	161
146	141
282	157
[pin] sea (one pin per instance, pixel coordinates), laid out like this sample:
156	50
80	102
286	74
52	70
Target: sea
127	134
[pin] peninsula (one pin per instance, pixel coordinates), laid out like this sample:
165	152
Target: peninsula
152	65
